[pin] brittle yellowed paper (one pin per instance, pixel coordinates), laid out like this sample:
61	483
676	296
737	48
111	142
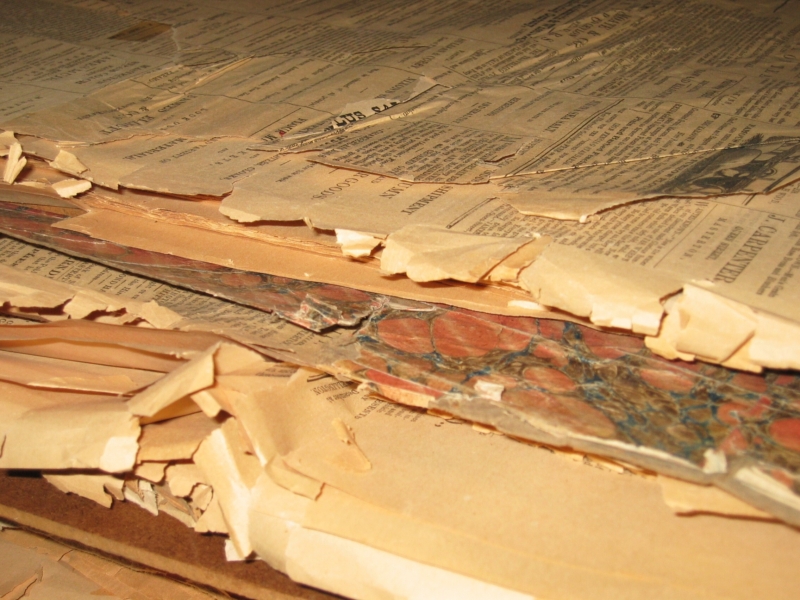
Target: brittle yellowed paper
285	417
182	477
190	377
174	439
587	285
687	498
428	253
288	262
56	373
157	349
83	431
98	487
232	473
438	520
562	111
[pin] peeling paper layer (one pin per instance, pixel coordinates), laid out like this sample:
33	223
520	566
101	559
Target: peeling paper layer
712	327
356	244
427	253
15	162
69	375
92	433
776	343
592	286
68	162
175	439
232	473
190	377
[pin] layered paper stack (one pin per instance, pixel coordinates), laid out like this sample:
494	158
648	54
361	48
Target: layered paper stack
236	231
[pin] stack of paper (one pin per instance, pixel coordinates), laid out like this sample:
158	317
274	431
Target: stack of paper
490	212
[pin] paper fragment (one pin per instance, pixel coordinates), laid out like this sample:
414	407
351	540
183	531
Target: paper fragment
55	373
150	471
356	244
24	290
175	439
202	496
182	478
141	494
715	461
208	402
83	431
86	302
665	342
69	188
589	285
509	269
190	377
776	343
232	473
712	326
430	253
168	348
212	519
177	508
69	163
181	408
15	162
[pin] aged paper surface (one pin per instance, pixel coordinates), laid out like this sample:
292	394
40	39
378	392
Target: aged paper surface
331	433
535	386
631	165
373	120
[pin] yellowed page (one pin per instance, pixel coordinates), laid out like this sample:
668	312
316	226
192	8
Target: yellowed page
54	373
223	250
175	439
82	431
477	519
